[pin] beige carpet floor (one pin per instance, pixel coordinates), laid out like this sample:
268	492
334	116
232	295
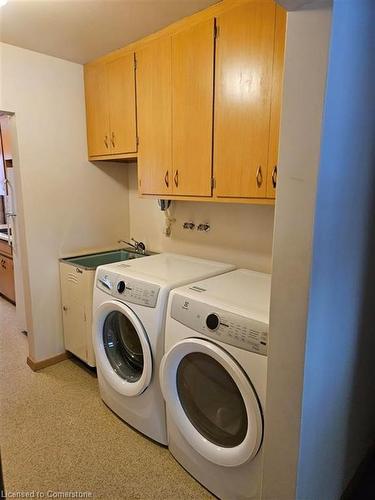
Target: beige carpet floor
56	434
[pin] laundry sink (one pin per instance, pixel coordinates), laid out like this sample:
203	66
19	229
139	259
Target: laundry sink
77	278
94	260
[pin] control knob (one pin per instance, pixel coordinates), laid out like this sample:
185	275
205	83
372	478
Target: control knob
212	321
121	287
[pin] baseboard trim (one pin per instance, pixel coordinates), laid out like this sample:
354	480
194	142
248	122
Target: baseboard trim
38	365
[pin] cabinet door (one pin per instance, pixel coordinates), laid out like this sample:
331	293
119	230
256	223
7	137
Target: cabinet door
242	100
154	102
192	109
5	248
122	115
73	298
97	114
7	287
277	83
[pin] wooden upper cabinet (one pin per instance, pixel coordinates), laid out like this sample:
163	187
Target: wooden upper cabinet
277	84
110	107
192	109
97	111
154	108
244	60
122	107
203	99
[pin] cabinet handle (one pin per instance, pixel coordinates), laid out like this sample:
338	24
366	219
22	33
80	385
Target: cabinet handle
113	139
166	178
106	141
274	177
176	178
65	308
259	176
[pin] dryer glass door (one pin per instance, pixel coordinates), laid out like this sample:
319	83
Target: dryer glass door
212	402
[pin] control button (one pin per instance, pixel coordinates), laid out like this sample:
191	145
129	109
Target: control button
213	321
121	287
105	281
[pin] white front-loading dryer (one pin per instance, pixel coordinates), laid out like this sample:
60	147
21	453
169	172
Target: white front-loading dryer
213	379
130	300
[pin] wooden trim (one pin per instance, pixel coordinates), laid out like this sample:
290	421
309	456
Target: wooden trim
244	201
276	98
38	365
171	29
125	157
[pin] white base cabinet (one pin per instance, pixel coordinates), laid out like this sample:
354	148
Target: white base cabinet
77	286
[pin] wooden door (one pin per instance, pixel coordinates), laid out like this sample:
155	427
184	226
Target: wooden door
97	112
154	103
277	84
122	113
7	287
5	137
242	99
192	109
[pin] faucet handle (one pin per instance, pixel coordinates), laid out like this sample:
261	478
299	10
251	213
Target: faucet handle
139	246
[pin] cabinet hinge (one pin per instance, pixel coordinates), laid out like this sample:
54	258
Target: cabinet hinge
216	31
137	140
84	316
213	183
135	62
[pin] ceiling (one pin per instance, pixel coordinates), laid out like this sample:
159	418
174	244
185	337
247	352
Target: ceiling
81	30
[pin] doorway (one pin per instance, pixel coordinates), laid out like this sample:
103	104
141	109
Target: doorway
13	263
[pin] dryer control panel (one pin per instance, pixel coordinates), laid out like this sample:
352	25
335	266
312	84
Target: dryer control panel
128	289
224	326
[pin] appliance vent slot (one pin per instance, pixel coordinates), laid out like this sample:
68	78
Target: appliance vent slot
73	278
197	289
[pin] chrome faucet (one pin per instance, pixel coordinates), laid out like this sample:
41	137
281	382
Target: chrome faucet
138	246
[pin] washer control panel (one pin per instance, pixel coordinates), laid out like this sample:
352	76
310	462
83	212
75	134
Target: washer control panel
221	325
128	289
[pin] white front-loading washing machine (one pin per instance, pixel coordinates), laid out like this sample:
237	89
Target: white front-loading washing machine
213	379
130	300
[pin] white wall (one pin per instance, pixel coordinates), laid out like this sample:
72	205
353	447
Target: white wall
240	234
338	424
306	56
69	204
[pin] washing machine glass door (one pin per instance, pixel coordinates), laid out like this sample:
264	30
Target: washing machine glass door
122	348
212	402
